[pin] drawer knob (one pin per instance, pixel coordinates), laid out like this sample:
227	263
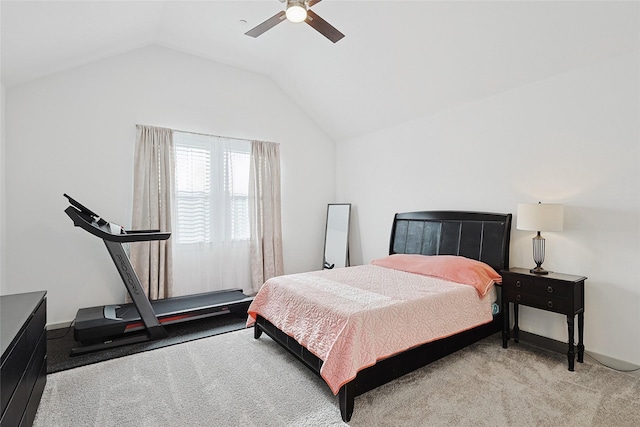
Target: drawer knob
518	297
550	289
550	304
518	284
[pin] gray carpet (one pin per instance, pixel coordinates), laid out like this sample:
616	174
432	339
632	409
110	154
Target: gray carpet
234	380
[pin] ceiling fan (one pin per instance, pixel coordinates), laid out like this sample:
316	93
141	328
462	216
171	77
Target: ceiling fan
298	11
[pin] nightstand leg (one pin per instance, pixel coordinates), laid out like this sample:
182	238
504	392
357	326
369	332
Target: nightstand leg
580	337
571	353
516	328
505	322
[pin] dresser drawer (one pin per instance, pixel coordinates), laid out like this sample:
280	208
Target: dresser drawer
15	363
535	286
24	356
544	302
15	409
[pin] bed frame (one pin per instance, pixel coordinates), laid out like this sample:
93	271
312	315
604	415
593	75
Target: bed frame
477	235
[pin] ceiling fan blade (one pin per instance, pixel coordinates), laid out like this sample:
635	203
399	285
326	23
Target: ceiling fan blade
312	2
267	25
323	27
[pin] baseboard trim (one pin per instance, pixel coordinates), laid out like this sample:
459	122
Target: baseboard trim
561	347
62	325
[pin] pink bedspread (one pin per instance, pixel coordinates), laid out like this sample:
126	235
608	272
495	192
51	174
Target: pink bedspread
352	317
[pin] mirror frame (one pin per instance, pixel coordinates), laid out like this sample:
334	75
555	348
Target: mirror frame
325	264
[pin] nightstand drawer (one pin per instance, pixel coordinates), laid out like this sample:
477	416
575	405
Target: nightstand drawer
558	305
535	286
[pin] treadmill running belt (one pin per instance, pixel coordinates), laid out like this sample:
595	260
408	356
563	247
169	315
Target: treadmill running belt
184	304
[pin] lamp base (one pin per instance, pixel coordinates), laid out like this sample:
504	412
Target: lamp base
539	270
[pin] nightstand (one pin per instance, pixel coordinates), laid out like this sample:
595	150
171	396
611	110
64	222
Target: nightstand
559	293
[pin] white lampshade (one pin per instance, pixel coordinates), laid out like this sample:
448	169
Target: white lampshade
296	12
540	217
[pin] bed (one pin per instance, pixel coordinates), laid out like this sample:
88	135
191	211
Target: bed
471	237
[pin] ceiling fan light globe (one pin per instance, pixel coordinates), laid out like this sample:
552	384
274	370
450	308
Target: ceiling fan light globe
296	13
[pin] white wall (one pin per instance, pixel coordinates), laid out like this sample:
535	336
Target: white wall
74	132
2	187
571	139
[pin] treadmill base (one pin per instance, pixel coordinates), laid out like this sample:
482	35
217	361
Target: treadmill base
96	331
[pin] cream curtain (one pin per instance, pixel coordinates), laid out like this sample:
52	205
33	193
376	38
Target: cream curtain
264	213
153	192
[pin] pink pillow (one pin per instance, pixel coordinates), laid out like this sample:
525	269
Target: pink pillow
449	267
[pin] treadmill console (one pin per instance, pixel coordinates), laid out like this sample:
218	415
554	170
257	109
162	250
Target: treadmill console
90	221
83	209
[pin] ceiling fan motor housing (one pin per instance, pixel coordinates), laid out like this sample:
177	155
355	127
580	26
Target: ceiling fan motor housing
296	10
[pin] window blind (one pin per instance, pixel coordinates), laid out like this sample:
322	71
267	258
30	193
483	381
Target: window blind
212	188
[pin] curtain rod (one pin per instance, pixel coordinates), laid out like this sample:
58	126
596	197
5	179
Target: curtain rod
206	134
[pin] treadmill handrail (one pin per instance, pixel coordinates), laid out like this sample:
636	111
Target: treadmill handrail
79	220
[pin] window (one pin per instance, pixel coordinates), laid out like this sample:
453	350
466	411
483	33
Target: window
212	188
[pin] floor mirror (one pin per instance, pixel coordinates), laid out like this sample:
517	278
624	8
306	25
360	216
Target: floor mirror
336	237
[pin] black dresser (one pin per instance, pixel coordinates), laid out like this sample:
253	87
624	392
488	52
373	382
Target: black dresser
23	337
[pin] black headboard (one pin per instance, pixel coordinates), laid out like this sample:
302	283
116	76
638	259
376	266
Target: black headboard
477	235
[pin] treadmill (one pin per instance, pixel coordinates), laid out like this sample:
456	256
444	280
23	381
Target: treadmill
109	326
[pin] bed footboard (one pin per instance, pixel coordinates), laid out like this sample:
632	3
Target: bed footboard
346	395
290	344
385	370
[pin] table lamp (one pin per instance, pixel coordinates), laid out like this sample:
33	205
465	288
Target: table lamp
539	217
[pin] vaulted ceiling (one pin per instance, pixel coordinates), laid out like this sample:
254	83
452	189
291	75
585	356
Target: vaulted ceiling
399	60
